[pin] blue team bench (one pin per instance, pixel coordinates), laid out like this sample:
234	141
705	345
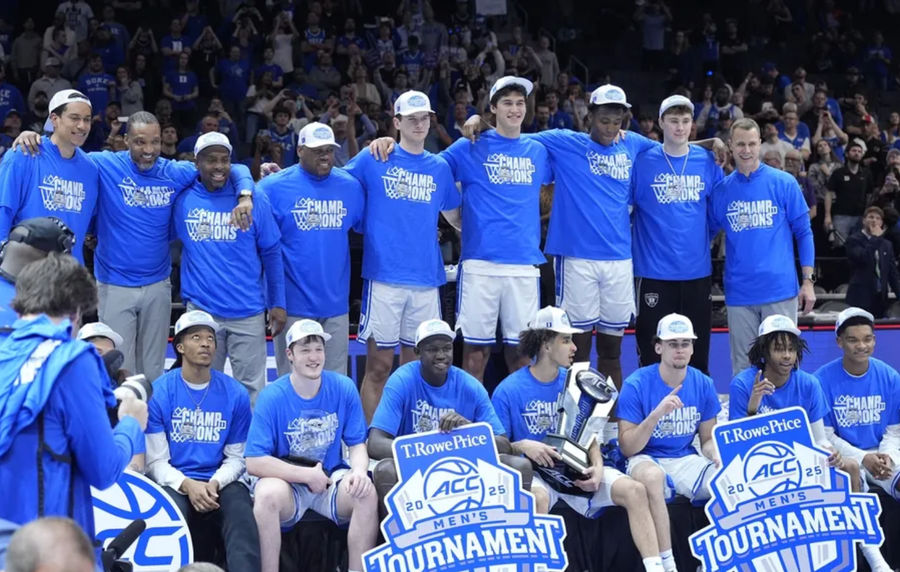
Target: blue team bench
595	545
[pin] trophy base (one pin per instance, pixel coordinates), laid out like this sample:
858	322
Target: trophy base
575	461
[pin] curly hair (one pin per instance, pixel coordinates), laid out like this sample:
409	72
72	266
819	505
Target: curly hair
530	341
759	351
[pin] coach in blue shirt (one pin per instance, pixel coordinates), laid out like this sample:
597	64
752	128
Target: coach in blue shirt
763	212
315	206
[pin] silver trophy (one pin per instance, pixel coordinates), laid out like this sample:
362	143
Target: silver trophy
583	409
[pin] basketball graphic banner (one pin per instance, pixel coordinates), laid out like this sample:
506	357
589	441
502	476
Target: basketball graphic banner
456	507
778	505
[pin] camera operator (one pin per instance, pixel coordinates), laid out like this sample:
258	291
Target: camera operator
28	241
54	395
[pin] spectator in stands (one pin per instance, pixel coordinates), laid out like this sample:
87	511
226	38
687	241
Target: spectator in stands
792	131
872	261
772	143
182	87
856	117
95	83
794	164
231	79
147	78
196	435
708	117
315	206
324	76
204	56
822	163
878	59
365	91
142	44
26	53
258	99
756	288
773	159
558	119
314	40
128	92
675	395
849	188
173	44
549	64
10	96
299	426
268	64
50	83
891	131
283	35
78	13
215	251
280	132
828	130
541	120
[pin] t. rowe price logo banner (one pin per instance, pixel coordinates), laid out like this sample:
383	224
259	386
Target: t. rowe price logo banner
777	504
457	508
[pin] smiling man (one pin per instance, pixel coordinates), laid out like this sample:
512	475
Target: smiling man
235	276
402	263
763	213
300	424
132	262
62	181
315	207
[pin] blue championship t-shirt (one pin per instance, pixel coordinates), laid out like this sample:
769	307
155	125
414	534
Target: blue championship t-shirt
590	216
670	232
761	215
222	266
526	406
286	424
198	423
861	407
644	389
801	389
501	188
404	197
49	185
410	404
315	215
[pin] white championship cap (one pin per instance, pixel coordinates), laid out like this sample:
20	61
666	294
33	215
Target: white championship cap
211	139
303	329
100	330
430	328
852	312
609	94
195	318
778	323
317	134
675	327
411	102
553	319
508	80
672	101
67	96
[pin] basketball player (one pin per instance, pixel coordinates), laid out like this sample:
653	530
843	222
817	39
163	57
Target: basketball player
672	189
774	381
526	404
402	264
661	409
294	447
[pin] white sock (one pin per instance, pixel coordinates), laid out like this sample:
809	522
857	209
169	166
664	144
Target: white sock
873	556
668	561
653	564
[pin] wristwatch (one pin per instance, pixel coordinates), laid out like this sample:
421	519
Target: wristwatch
811	277
245	193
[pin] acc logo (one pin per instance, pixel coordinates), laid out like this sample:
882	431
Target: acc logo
453	485
165	544
417	101
777	504
456	508
322	133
